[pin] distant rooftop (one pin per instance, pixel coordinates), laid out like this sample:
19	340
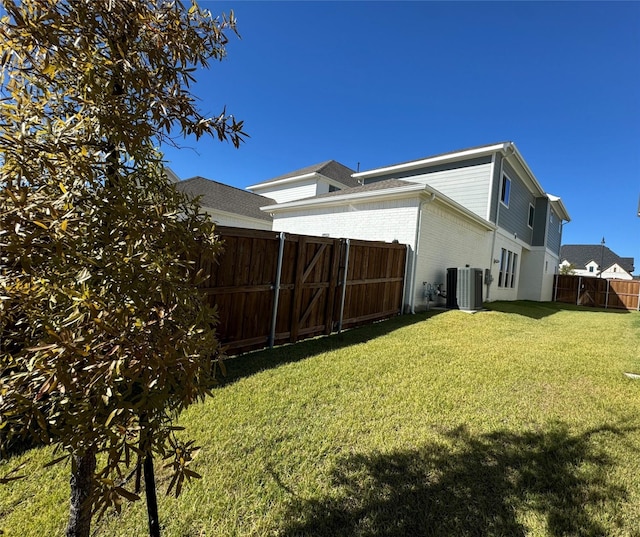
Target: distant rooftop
225	197
580	255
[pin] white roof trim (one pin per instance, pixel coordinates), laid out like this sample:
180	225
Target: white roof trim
343	199
284	181
476	152
379	195
560	208
219	212
289	180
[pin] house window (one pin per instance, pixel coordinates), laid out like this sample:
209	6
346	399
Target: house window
508	268
532	213
506	190
590	269
503	264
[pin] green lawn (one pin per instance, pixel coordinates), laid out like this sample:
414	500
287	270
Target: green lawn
517	422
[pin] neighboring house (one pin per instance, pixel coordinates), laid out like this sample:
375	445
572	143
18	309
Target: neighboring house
589	259
480	207
227	205
328	176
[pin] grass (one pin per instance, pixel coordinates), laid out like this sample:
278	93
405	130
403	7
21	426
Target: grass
517	421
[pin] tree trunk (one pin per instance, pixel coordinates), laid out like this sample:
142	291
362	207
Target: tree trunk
82	474
150	493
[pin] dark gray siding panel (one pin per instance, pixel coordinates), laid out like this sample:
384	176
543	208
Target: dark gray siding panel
514	218
554	232
540	221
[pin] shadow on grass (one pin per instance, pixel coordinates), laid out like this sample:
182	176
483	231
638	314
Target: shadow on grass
248	364
540	310
476	486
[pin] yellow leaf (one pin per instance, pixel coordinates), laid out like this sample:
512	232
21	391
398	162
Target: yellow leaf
43	226
63	225
63	188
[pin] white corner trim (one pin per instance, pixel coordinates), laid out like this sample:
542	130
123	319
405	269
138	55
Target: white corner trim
447	157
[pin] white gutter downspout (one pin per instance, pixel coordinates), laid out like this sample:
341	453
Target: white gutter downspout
415	252
498	201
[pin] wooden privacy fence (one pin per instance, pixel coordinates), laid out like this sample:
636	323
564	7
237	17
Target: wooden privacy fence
273	288
597	292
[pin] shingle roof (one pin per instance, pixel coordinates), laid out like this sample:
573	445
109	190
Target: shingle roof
581	254
329	168
225	197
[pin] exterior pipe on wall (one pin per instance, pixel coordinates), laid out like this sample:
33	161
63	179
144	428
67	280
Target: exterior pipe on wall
276	295
416	248
405	298
344	284
495	231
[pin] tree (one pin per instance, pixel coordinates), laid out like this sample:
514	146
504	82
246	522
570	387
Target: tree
567	270
104	334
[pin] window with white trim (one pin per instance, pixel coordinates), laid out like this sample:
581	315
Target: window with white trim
508	269
532	214
505	190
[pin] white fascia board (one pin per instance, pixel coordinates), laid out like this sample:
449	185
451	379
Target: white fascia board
559	206
424	191
345	199
448	157
279	182
289	180
527	170
249	219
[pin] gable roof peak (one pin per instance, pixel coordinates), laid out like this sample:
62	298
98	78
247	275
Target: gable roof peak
331	169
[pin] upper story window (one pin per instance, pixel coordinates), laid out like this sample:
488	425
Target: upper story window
532	213
506	190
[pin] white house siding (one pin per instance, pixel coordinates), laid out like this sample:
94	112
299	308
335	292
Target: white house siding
234	220
536	274
380	221
448	240
469	186
290	191
614	272
508	243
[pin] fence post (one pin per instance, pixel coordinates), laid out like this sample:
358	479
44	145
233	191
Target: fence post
276	294
606	299
555	287
578	293
638	308
344	284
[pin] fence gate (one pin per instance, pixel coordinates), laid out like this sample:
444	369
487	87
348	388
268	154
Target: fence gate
597	292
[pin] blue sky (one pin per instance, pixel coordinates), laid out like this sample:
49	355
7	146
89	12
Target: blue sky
378	83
